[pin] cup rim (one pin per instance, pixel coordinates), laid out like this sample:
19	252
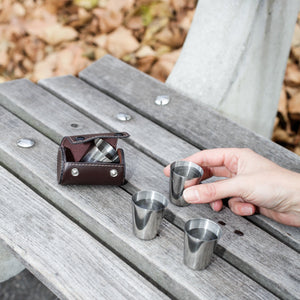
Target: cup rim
206	224
185	163
159	197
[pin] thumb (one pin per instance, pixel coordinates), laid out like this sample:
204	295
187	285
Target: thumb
208	192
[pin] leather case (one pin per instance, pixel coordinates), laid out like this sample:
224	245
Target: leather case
70	170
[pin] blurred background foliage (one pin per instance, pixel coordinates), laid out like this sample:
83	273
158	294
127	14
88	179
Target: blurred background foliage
45	38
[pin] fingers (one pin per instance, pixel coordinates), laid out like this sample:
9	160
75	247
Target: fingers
208	172
167	170
223	157
241	208
227	157
216	171
206	193
216	205
209	192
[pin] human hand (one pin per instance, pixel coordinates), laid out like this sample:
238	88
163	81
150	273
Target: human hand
254	184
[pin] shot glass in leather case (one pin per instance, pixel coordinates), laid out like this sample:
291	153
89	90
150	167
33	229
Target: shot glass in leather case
73	149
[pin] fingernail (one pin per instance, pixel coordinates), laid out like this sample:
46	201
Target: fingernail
213	206
247	210
191	195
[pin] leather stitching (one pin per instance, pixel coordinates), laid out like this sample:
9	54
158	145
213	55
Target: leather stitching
111	165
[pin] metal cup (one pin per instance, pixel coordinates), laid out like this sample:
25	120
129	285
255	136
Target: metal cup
147	213
183	174
200	239
102	151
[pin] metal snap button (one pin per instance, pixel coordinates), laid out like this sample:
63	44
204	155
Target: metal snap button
75	172
123	117
113	173
162	100
25	143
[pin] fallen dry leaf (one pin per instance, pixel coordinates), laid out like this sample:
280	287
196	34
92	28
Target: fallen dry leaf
40	39
45	68
145	51
186	21
292	75
294	107
172	36
296	53
70	60
153	28
135	23
282	105
18	10
81	18
37	27
101	40
88	4
57	34
118	5
145	63
291	91
121	42
164	65
108	20
281	136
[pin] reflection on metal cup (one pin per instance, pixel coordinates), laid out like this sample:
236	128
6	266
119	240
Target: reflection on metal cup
200	239
147	213
101	152
183	174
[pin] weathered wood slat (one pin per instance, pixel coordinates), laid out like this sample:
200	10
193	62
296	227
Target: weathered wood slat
106	211
61	254
145	136
151	139
194	122
258	263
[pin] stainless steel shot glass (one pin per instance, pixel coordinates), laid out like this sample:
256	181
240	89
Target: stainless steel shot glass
102	151
183	174
200	239
147	213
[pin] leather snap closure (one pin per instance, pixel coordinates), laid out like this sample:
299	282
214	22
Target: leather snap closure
113	173
75	172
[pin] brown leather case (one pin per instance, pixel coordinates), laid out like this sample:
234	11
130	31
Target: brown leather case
71	151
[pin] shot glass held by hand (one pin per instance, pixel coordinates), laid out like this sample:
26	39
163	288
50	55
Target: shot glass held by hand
200	239
101	152
147	213
183	174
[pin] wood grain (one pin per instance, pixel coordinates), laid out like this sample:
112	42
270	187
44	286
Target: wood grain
62	255
147	175
145	137
194	122
106	211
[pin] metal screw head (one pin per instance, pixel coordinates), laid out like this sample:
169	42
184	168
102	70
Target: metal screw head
74	172
123	117
25	143
162	100
113	173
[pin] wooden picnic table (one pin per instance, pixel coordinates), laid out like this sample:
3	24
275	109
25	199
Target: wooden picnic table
78	240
